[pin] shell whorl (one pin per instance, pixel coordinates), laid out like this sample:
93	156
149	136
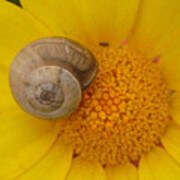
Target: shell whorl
47	77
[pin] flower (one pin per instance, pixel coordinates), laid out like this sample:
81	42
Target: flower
130	39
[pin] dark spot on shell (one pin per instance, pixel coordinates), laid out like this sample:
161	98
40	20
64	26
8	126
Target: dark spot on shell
27	84
46	95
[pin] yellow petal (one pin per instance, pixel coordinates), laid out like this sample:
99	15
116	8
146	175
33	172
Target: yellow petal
7	102
18	28
4	79
171	141
86	170
145	171
157	27
24	141
175	106
54	166
170	65
124	172
158	165
87	21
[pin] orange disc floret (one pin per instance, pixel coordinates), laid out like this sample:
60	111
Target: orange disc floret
124	113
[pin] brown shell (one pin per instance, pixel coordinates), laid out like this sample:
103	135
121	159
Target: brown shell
47	76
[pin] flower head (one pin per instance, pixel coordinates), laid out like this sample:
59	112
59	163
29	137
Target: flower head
127	125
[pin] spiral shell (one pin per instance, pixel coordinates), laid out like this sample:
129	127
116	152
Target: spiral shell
47	77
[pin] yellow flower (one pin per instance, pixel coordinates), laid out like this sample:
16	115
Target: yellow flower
129	117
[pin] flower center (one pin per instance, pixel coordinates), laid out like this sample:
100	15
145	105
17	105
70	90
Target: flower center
124	113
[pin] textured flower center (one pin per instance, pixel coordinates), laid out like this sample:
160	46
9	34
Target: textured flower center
124	113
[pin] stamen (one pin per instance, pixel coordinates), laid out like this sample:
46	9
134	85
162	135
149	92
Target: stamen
124	113
171	92
156	59
125	41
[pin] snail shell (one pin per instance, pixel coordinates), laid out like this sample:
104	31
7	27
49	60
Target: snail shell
47	77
